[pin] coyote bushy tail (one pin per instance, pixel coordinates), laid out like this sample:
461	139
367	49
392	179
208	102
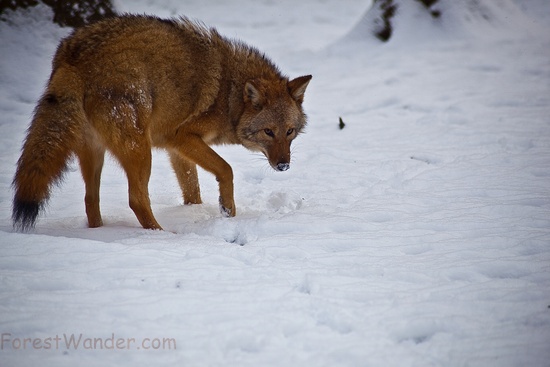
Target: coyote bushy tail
50	142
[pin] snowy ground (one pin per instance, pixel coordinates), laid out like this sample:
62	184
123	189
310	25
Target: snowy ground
419	235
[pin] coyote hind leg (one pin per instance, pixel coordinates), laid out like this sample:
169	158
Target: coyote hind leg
186	172
138	172
91	159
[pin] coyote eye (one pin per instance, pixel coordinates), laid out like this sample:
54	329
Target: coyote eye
289	131
269	132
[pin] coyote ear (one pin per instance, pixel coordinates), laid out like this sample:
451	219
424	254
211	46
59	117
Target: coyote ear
253	95
297	87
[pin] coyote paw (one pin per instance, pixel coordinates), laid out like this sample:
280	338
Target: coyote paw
227	211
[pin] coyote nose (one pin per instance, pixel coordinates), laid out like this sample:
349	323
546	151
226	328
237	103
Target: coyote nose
283	166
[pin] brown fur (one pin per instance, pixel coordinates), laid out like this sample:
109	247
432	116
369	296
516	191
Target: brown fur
131	83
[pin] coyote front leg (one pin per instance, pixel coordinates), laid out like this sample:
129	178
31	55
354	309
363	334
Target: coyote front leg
194	149
186	173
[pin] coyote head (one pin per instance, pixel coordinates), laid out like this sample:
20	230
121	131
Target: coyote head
273	117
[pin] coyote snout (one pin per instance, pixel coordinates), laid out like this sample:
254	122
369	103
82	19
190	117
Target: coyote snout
130	83
279	155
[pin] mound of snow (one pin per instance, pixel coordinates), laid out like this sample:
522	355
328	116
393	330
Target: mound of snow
414	21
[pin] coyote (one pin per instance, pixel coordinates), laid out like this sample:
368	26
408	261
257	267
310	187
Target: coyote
130	83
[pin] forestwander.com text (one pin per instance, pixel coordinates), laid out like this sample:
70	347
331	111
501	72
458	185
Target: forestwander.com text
83	342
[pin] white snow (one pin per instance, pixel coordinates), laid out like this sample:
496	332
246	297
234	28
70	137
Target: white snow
419	235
